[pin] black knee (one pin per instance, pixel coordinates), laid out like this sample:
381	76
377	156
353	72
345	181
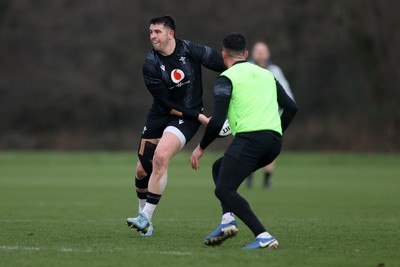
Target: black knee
145	155
141	187
215	169
142	183
222	193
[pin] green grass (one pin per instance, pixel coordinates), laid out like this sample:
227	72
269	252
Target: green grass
69	210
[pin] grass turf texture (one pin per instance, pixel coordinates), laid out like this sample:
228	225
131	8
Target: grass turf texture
70	209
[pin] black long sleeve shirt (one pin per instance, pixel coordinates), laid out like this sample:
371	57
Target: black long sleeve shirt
175	81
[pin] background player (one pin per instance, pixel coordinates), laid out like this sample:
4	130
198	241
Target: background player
261	56
172	74
250	96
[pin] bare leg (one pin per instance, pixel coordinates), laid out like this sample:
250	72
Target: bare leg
166	149
168	146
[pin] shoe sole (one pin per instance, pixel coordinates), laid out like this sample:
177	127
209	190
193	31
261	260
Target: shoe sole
134	226
146	235
273	245
229	232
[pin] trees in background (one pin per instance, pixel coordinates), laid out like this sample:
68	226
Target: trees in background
71	78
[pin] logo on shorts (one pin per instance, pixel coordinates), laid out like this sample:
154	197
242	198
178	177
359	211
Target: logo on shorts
180	122
177	75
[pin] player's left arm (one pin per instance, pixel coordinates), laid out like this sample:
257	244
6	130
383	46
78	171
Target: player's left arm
207	57
287	104
280	77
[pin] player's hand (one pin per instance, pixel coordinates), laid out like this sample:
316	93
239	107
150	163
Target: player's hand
195	159
203	119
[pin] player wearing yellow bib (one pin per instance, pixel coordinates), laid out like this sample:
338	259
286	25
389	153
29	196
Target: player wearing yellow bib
250	97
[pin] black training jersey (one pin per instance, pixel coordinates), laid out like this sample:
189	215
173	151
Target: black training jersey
175	81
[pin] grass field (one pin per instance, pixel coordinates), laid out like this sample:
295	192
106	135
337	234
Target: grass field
70	209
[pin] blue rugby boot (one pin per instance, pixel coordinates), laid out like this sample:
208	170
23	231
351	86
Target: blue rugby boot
140	223
222	233
149	232
263	243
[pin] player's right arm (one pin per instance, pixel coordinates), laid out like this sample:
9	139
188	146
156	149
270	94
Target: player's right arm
222	98
159	91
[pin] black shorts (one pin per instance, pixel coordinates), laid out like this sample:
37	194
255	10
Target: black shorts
156	124
255	149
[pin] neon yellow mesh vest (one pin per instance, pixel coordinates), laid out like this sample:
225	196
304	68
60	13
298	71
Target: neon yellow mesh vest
253	106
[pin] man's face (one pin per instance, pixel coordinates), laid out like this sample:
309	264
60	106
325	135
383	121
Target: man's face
160	36
260	54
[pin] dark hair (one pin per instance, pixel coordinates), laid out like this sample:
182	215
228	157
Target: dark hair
168	22
235	42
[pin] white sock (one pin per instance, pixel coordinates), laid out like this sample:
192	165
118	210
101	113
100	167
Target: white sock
142	202
148	210
264	235
227	218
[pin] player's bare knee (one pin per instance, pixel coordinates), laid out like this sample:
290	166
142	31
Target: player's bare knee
160	161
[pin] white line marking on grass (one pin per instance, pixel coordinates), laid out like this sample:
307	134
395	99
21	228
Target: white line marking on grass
18	248
88	250
77	221
67	250
104	221
176	253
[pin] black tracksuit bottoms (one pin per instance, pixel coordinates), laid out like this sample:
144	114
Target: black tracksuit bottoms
248	152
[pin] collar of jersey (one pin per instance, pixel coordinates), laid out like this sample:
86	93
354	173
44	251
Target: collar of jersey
238	62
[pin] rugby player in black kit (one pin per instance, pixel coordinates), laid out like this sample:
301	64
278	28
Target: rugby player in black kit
172	74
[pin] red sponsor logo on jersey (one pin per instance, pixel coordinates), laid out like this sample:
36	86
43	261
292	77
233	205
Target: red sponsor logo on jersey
177	75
